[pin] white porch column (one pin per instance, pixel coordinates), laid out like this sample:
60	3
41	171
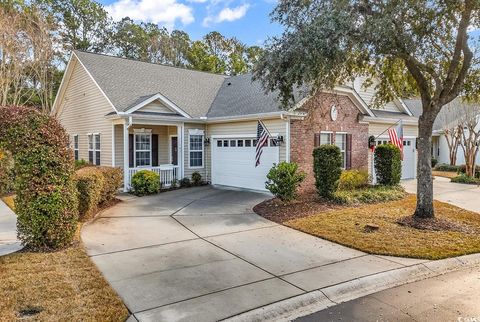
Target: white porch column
126	179
181	154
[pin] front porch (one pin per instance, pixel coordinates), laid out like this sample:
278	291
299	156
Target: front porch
149	146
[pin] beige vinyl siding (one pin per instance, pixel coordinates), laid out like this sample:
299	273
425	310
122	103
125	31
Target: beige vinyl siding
83	111
368	95
274	126
187	170
156	106
118	145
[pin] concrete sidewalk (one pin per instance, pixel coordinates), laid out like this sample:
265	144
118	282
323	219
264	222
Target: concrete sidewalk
202	254
465	196
8	230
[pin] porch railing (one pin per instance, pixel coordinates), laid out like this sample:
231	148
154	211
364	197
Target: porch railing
167	172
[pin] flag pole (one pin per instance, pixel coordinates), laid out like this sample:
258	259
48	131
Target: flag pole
388	128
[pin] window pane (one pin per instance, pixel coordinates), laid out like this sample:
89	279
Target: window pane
90	142
97	141
97	157
225	143
196	159
219	143
325	138
340	141
196	142
248	143
75	142
142	158
273	142
76	155
240	143
142	142
233	143
254	142
90	157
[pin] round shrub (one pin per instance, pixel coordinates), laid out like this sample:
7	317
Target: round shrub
196	178
145	182
327	167
353	179
388	164
46	202
185	182
284	179
434	162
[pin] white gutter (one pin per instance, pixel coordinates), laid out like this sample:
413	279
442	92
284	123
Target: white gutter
387	120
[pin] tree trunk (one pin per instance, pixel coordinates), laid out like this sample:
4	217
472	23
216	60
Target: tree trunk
424	167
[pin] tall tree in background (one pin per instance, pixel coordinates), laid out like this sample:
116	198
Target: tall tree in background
451	122
130	40
84	24
424	44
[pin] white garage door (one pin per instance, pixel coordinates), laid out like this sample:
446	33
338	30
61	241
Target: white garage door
408	163
233	163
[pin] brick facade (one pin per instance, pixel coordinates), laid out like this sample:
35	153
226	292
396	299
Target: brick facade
302	132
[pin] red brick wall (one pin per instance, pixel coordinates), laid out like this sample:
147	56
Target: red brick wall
302	132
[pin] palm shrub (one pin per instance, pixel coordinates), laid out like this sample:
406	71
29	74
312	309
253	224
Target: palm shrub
46	202
388	164
327	167
145	182
283	180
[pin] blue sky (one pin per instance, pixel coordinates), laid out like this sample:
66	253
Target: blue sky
247	20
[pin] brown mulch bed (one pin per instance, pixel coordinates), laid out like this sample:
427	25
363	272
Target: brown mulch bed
305	205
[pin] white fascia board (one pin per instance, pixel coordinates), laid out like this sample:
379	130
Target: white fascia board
163	99
388	120
61	89
95	82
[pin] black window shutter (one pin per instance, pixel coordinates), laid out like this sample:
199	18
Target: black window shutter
155	150
130	150
348	152
316	140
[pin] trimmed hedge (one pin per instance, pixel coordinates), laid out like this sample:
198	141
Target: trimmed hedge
95	186
145	182
327	167
353	179
283	180
7	177
446	167
463	178
372	194
46	202
388	164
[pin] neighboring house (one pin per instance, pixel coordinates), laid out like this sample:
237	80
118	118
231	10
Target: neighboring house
440	150
175	121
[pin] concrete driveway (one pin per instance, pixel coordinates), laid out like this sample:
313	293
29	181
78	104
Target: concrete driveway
462	195
201	254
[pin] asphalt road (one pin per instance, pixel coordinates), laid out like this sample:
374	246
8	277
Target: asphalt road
450	297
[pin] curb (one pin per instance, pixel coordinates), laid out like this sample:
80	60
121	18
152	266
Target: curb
298	306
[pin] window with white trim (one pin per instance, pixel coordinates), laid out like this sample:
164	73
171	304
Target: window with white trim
75	147
195	149
143	149
341	142
325	138
94	149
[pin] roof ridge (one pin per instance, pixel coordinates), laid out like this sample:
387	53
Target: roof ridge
150	63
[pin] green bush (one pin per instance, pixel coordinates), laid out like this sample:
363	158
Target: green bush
372	194
145	182
81	164
7	177
185	183
46	202
463	169
446	167
284	179
196	179
112	182
90	183
388	164
353	179
434	162
463	178
327	167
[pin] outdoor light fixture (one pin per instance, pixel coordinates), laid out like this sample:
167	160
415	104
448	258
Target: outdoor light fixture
371	142
207	141
278	140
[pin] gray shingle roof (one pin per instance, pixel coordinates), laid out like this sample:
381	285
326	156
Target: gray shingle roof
394	115
127	82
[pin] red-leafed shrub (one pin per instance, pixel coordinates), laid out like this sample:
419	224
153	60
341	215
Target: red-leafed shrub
46	202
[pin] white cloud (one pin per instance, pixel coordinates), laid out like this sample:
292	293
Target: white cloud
162	12
227	14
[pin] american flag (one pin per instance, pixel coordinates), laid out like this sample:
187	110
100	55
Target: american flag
396	136
262	140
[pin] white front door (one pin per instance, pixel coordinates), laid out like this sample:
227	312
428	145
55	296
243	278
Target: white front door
233	162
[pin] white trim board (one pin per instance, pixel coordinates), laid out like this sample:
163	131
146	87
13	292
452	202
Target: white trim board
162	99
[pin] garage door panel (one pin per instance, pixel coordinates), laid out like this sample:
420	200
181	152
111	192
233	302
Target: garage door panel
235	166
